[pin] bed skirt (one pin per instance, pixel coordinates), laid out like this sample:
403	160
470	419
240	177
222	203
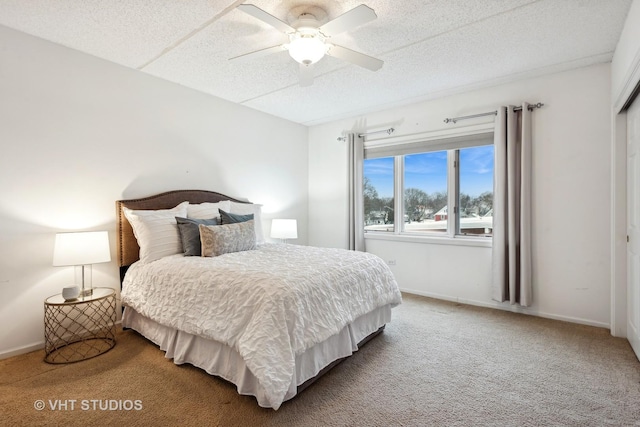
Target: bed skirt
223	361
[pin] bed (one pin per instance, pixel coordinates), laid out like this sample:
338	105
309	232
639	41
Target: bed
270	318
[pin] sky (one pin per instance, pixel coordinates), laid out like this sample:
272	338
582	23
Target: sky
428	172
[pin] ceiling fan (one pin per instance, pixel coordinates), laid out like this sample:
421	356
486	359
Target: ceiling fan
309	40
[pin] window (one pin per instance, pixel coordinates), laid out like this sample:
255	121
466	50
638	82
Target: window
409	188
425	192
475	198
378	194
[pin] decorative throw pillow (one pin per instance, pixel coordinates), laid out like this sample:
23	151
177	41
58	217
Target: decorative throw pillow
190	234
207	209
229	218
224	239
156	231
250	208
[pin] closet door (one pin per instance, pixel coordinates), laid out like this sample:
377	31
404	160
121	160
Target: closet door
633	225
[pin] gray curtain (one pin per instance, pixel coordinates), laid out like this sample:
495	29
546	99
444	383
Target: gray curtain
512	206
355	145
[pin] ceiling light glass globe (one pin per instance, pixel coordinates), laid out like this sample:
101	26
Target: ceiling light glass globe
307	50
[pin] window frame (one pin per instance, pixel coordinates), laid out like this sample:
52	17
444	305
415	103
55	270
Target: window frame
451	141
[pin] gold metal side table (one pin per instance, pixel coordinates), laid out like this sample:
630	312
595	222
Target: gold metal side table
81	328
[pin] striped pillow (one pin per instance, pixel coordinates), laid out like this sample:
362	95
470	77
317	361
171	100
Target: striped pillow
156	231
207	210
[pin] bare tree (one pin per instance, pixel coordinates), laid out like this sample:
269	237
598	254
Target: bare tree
415	203
485	202
371	199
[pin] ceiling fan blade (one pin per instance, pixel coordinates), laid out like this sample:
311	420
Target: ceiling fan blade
306	75
256	12
365	61
258	53
349	20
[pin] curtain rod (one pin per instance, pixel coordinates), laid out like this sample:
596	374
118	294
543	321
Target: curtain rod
387	131
490	113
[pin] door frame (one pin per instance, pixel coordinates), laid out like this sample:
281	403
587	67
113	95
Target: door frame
619	224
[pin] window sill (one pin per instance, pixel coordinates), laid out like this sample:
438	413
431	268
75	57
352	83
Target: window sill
484	242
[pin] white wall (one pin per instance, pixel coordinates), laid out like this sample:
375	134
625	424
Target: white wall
78	133
571	195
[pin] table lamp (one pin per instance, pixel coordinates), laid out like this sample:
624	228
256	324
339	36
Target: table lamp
81	249
284	229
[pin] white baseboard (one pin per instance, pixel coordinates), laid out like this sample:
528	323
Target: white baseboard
33	347
508	307
22	350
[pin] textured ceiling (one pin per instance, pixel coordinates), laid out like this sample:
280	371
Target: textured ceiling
430	48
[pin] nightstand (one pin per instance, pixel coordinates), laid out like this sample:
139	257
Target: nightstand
81	328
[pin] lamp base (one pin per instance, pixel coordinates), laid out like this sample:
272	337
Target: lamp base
83	278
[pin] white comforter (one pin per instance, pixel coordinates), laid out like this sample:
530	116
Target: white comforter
269	304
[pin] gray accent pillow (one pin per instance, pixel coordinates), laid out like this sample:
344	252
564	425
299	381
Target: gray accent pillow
190	234
229	218
224	239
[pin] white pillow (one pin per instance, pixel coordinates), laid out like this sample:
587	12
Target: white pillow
207	210
250	208
156	231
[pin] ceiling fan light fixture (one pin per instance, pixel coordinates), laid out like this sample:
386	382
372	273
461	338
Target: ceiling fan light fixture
309	37
307	49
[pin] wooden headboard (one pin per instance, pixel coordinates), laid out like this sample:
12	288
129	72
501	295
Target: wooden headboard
128	249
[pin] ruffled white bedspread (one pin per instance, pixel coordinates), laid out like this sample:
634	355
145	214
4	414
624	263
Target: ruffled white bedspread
269	304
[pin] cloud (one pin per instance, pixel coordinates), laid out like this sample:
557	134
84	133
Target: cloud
380	167
477	160
426	163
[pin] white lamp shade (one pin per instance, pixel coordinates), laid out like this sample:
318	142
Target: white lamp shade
284	229
82	248
307	50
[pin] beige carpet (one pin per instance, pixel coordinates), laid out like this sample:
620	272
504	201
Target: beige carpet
437	363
